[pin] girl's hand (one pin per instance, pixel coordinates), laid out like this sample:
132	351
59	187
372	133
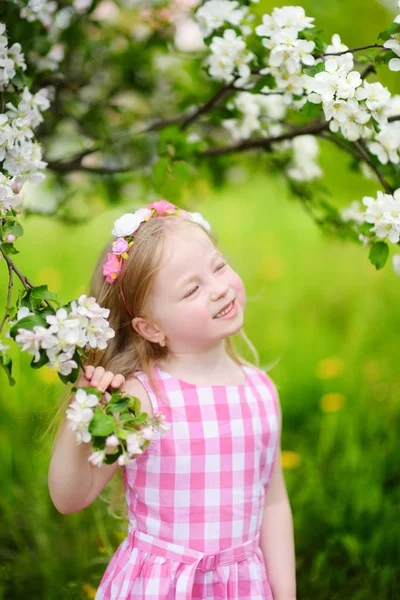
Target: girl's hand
98	377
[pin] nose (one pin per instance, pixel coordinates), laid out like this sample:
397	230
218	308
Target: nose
219	292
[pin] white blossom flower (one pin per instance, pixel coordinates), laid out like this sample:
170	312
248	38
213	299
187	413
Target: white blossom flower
123	459
147	433
112	441
133	441
97	457
81	6
396	263
214	13
228	53
353	212
80	413
387	143
384	213
303	166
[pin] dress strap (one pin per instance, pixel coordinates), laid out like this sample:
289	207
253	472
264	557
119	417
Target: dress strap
146	384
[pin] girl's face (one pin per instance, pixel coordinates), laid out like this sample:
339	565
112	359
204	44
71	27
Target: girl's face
193	284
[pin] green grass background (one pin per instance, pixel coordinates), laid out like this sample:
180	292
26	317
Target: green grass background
315	304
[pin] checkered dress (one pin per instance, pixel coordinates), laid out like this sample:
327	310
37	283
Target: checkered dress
195	496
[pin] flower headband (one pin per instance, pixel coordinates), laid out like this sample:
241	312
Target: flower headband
129	223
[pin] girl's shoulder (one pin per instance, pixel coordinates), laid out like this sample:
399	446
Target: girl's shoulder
134	387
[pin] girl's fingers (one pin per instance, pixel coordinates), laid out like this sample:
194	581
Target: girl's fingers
89	370
106	380
118	381
97	376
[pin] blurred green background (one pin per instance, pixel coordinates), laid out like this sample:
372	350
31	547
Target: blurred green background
315	305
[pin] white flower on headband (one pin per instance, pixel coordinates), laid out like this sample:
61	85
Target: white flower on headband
127	224
198	218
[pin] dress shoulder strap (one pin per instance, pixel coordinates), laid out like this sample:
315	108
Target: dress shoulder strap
144	380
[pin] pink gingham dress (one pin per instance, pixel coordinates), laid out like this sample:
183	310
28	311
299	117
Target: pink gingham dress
195	496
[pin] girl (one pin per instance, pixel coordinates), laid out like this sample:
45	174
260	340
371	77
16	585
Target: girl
209	516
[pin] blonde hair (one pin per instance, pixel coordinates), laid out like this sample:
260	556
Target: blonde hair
128	351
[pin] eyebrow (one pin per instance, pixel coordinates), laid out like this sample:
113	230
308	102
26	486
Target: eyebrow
190	278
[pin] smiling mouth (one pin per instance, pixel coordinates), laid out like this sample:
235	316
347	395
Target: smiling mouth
226	309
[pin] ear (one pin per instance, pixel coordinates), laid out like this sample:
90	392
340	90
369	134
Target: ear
146	329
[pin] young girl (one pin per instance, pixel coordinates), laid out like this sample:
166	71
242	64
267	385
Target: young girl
209	516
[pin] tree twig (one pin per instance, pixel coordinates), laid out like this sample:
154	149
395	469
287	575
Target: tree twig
349	50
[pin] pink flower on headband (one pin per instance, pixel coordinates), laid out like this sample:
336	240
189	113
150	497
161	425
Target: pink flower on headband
146	213
111	267
162	206
120	246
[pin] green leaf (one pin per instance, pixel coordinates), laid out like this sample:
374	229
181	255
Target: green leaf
135	404
265	81
318	68
378	254
14	228
388	56
109	459
101	424
310	109
117	405
6	365
27	323
44	359
36	295
365	228
122	433
387	33
9	248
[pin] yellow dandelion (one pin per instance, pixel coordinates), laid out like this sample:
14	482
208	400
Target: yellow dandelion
332	402
47	375
290	459
89	590
372	370
330	367
51	277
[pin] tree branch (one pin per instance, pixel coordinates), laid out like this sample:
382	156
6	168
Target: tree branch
8	304
358	144
265	143
222	93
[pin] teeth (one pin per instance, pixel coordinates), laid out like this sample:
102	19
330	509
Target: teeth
223	312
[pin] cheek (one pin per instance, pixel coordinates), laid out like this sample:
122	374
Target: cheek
239	288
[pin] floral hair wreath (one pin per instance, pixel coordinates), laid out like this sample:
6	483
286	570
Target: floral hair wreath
129	223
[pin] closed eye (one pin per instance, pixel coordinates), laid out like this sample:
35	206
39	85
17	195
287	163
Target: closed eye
195	288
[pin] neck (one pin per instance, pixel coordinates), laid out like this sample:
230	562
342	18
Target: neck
212	365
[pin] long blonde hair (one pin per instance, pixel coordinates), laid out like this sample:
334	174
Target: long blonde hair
128	351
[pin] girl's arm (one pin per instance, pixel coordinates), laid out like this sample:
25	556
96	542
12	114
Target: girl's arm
71	476
74	482
276	533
